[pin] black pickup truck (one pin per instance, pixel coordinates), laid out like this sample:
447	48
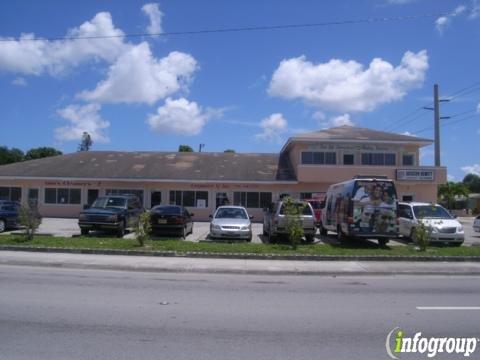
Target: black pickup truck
111	213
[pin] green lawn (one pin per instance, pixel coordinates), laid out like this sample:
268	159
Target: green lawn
361	248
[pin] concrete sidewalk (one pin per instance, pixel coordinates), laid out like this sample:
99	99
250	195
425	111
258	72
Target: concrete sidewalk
236	266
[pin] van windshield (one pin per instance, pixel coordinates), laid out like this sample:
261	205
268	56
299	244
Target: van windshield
377	192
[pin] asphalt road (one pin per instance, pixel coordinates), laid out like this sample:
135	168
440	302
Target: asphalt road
84	314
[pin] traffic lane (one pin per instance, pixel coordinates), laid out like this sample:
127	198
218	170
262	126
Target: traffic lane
83	314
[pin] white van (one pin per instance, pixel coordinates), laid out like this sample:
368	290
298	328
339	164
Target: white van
444	228
361	208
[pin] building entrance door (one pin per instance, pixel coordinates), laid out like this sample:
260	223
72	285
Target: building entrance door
92	195
221	198
155	198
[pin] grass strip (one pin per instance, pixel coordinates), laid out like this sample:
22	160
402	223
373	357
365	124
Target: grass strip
361	248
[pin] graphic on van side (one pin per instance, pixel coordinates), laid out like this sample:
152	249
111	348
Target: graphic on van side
374	207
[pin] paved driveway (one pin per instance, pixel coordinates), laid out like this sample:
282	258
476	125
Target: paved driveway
69	227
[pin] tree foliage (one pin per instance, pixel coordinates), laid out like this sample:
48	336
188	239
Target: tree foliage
185	148
41	152
448	191
293	212
472	182
9	156
29	219
86	142
229	151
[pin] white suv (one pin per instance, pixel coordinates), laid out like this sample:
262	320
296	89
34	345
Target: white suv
444	228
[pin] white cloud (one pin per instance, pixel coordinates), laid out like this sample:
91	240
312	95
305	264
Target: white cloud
137	76
478	108
346	86
181	117
443	21
475	10
19	81
154	14
450	177
82	118
272	128
472	169
319	116
342	120
33	56
408	133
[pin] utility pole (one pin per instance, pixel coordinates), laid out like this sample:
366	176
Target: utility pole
436	121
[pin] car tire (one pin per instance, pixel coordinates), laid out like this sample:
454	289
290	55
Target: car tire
271	238
121	230
412	235
2	225
183	233
84	231
322	230
249	239
309	238
382	242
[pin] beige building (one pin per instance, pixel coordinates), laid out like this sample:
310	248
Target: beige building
307	164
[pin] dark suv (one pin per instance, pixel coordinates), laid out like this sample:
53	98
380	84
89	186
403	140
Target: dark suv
8	214
112	213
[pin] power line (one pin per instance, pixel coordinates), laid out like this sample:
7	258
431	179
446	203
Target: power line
429	128
244	29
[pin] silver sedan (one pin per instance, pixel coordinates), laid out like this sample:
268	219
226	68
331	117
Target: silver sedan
231	222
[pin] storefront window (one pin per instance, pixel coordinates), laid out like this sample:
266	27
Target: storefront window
11	193
62	196
319	158
253	200
381	159
189	198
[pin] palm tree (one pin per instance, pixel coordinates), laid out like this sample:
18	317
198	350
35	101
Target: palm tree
451	189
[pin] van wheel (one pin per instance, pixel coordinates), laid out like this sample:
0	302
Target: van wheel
341	237
84	231
412	235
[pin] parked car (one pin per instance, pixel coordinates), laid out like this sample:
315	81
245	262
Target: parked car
317	206
443	227
171	219
8	214
476	224
231	222
275	221
111	213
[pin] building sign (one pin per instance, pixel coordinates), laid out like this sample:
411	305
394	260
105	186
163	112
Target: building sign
224	186
353	147
73	183
415	175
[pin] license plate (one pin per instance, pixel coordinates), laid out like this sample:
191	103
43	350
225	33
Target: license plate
162	221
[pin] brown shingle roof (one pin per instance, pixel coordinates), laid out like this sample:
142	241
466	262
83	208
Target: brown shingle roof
157	166
356	133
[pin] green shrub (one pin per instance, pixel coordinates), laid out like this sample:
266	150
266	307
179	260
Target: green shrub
421	236
293	212
30	219
142	228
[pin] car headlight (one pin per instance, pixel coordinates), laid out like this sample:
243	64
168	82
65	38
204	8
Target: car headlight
113	218
434	229
245	228
460	229
215	227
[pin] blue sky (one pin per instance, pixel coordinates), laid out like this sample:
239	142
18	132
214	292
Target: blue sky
247	91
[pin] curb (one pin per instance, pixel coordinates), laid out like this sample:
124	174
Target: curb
243	256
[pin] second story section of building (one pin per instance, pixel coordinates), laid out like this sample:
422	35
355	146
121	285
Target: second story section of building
336	154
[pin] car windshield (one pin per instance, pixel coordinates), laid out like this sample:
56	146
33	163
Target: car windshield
317	205
231	213
431	211
109	202
167	210
306	209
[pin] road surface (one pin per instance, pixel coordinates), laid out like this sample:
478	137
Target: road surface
50	313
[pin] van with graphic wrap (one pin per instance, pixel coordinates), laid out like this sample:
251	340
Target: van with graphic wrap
361	208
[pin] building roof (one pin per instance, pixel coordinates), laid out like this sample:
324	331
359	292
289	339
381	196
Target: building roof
357	134
157	166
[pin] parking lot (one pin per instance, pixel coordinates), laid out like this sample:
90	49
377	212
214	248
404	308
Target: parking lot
69	227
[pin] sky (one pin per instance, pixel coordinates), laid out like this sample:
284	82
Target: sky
67	67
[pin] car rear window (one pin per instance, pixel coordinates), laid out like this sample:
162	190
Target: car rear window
167	210
306	209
